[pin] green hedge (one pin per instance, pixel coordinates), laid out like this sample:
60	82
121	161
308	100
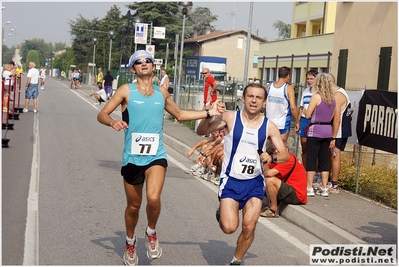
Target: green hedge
376	183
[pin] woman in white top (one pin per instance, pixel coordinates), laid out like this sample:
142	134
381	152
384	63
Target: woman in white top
42	76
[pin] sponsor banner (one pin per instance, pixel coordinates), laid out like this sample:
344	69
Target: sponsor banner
377	121
342	254
159	32
354	97
150	49
140	35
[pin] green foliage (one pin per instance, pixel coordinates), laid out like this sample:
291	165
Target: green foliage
284	30
43	49
189	124
199	20
7	54
377	183
33	56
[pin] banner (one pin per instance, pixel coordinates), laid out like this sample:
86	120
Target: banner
140	35
377	122
354	97
159	32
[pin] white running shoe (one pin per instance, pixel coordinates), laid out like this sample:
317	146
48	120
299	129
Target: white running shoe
130	256
154	250
322	192
310	192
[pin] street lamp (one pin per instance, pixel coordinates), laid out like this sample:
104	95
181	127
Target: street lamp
111	35
184	7
94	41
124	31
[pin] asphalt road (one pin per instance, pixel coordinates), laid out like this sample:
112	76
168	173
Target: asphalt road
63	198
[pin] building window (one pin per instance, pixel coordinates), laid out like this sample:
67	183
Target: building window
384	69
240	43
255	62
342	67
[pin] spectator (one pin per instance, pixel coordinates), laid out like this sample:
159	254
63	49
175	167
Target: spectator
8	77
305	100
107	83
63	75
100	95
100	77
281	103
285	182
341	131
321	110
19	71
210	92
32	86
165	82
42	74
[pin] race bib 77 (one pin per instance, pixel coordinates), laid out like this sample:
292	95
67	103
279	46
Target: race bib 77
145	144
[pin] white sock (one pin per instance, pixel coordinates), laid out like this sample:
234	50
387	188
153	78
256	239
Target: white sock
130	241
234	259
150	231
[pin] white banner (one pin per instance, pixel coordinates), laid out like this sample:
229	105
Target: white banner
159	32
150	49
140	36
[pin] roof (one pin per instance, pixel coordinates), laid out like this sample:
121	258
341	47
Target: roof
220	34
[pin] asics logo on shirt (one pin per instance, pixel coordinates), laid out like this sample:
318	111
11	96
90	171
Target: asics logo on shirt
138	102
145	139
247	160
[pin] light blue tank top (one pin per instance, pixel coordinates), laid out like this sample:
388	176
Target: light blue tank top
143	138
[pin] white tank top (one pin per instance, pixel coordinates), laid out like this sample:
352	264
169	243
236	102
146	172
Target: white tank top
278	105
241	159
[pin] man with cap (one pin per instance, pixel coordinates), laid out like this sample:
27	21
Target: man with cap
144	155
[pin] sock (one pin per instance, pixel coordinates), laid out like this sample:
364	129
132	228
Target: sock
150	231
333	183
130	241
235	259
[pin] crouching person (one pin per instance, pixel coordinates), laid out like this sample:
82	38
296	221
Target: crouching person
285	182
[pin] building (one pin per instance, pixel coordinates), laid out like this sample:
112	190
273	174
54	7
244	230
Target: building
310	45
365	46
231	45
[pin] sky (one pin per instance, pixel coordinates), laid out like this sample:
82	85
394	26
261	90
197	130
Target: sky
48	20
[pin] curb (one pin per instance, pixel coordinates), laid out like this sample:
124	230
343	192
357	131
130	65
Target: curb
318	226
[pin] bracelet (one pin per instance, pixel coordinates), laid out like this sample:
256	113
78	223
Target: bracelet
208	114
204	155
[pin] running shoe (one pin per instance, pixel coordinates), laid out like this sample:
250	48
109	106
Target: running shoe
333	189
235	263
154	250
130	256
322	192
310	192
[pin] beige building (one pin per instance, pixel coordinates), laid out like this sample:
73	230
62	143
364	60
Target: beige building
310	45
355	41
365	48
231	45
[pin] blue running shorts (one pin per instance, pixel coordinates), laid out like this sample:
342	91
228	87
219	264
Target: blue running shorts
242	190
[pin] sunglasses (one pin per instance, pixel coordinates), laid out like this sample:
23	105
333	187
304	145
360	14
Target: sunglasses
205	73
140	61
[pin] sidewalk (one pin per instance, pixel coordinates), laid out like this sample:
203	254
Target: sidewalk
343	218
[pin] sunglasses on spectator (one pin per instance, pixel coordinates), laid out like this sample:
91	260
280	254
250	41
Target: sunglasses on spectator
141	60
205	73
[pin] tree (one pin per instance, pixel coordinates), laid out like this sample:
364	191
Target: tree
33	56
284	30
7	54
199	21
42	48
